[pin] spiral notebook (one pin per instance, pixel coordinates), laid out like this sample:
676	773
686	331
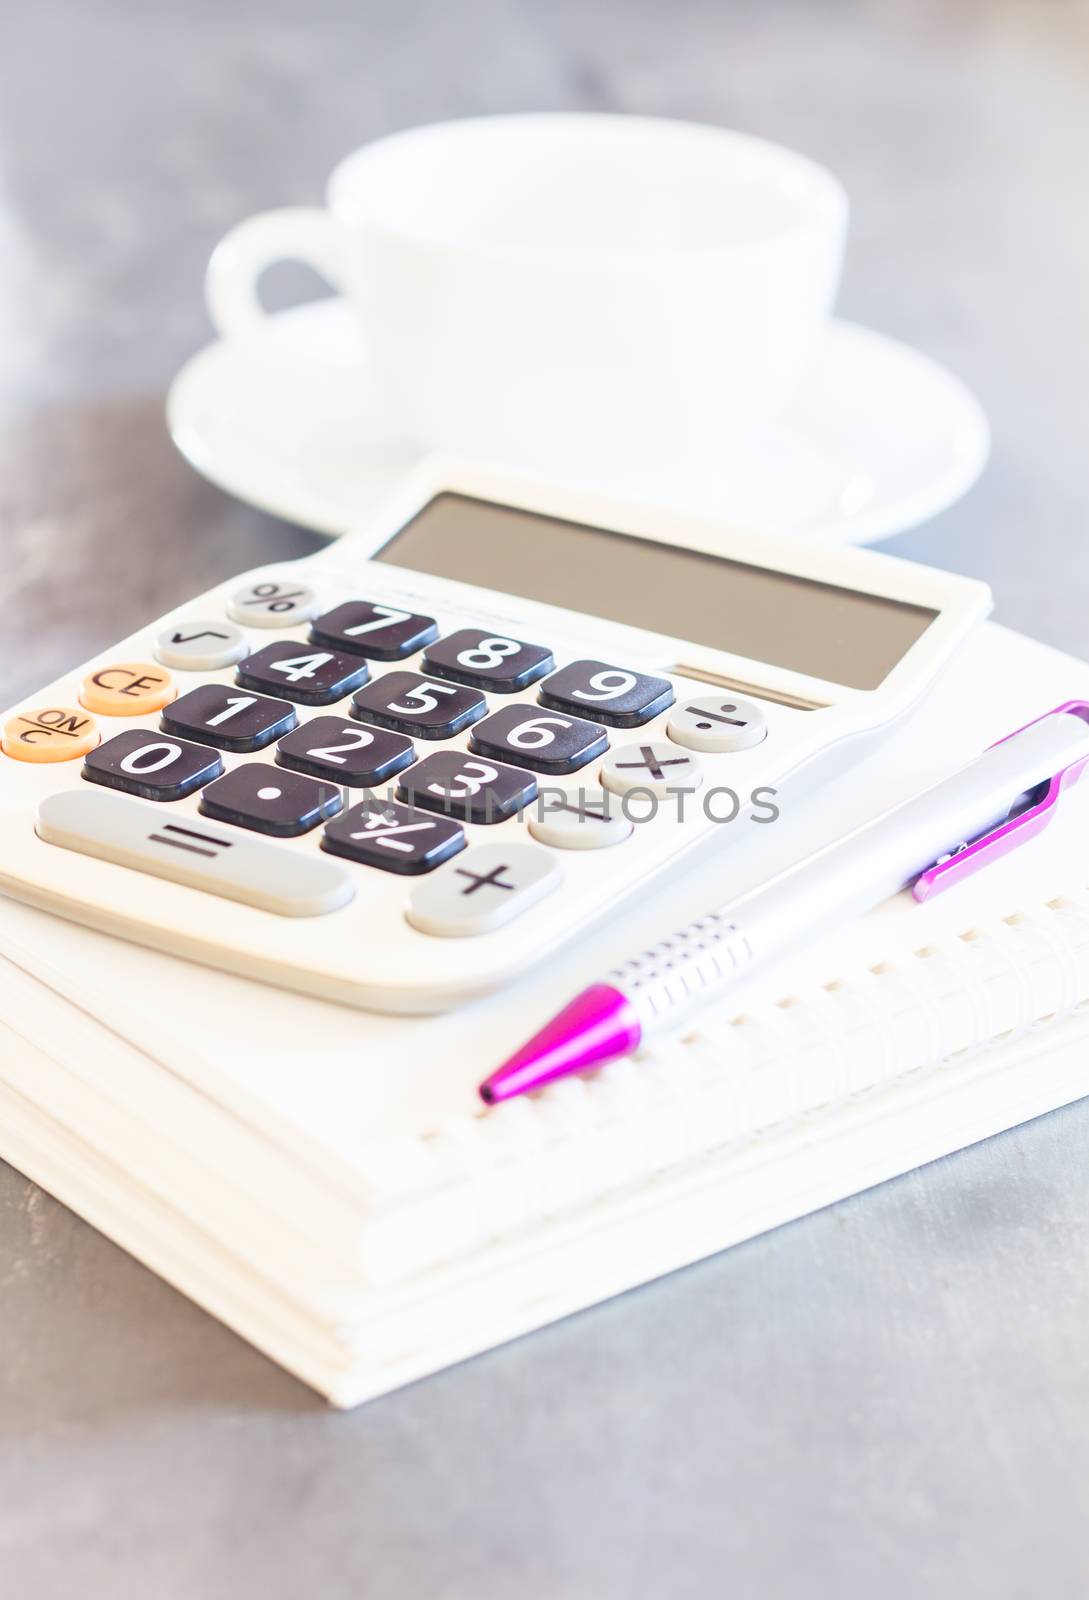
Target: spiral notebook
326	1182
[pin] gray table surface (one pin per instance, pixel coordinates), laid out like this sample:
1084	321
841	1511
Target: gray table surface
891	1396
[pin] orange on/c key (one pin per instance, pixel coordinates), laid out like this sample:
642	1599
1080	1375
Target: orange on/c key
127	689
49	733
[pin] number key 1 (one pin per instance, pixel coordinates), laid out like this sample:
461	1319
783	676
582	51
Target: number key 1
487	661
217	714
615	695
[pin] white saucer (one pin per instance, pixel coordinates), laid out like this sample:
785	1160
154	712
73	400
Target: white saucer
877	439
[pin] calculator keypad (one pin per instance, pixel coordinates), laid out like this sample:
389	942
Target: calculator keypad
465	787
615	695
365	742
381	632
271	604
717	724
257	796
423	708
233	719
657	768
126	689
313	677
345	752
49	733
490	886
141	762
540	740
397	838
486	660
200	646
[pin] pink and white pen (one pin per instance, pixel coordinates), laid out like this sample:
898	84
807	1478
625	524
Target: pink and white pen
983	811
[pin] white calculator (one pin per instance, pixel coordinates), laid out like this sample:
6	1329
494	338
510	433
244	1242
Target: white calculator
401	771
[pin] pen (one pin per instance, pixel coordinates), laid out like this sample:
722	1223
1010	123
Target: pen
656	990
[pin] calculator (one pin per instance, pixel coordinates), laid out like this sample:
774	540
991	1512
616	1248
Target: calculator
403	770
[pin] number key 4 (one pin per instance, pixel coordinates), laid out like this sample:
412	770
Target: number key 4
312	677
615	695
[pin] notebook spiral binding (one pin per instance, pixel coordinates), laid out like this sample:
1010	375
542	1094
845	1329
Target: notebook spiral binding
732	1078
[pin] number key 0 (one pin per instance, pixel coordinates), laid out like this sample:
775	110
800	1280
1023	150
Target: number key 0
615	695
487	661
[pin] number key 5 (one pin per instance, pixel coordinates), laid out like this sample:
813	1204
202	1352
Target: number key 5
418	706
615	695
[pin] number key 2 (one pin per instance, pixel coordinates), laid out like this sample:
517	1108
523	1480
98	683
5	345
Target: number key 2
614	695
215	713
373	630
312	677
418	706
543	741
487	661
328	747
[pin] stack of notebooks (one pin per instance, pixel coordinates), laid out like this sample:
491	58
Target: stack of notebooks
326	1181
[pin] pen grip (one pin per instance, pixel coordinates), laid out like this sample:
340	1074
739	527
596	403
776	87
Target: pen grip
683	969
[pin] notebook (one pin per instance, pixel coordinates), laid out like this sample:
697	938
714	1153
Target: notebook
326	1182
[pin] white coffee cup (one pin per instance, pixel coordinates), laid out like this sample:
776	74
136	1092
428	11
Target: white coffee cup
601	296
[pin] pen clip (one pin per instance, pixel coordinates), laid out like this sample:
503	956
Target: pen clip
1014	831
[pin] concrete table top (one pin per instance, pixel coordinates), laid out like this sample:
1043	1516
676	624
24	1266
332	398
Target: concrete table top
889	1397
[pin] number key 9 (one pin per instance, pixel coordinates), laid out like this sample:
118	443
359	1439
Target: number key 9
615	695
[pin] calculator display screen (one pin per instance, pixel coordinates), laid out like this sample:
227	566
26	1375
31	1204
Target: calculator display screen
841	635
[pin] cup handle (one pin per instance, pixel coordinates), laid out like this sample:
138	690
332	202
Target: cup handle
293	233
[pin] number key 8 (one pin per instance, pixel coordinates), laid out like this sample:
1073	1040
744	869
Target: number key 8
487	661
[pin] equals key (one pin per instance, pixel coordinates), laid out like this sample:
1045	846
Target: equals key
132	834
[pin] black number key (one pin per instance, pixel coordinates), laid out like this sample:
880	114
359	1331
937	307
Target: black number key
313	677
148	764
542	740
328	747
616	695
368	629
261	797
381	833
233	719
466	787
418	706
487	661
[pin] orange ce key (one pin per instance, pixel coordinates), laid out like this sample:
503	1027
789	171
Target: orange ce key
49	733
127	689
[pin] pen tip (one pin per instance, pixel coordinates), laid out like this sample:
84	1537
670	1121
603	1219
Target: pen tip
597	1026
